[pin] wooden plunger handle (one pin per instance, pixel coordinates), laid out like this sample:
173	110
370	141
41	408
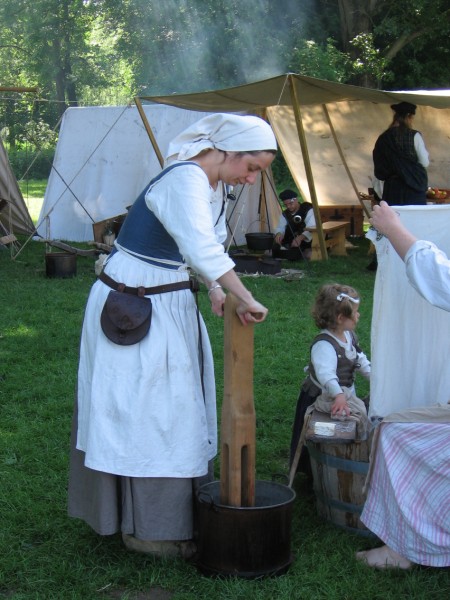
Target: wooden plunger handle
238	424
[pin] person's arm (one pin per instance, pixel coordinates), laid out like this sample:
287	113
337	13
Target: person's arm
216	295
364	368
387	221
187	218
324	359
427	267
248	310
428	271
310	221
280	229
421	151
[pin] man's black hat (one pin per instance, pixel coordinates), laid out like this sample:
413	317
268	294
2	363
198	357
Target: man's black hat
287	195
404	108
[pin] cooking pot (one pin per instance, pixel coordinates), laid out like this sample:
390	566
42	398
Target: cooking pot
253	263
259	241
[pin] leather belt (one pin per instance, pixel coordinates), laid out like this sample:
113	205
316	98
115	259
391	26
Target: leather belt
192	285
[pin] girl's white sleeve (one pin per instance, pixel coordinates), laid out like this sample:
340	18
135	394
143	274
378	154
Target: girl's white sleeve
324	360
365	366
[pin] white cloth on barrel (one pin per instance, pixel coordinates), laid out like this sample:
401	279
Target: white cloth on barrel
410	336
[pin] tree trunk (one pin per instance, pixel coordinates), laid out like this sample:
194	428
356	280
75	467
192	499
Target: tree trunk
355	19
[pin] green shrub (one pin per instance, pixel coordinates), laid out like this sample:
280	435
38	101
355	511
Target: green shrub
281	174
28	164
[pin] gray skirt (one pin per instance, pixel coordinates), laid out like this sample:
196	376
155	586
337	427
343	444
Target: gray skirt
148	508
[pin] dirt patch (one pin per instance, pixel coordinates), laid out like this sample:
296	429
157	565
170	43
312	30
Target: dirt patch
156	593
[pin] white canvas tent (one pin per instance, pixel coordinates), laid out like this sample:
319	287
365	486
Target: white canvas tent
325	130
14	215
103	160
340	122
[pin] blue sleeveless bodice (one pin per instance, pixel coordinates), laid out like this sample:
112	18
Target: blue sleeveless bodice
143	234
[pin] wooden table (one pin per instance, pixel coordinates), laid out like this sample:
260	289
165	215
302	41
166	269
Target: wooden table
334	232
352	213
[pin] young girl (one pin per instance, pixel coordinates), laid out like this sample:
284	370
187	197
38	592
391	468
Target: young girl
335	358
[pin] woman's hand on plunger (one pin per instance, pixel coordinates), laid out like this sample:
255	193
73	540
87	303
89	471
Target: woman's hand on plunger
217	297
253	312
248	309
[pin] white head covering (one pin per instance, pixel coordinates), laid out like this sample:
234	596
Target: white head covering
229	132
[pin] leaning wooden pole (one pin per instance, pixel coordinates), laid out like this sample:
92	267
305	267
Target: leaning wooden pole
149	131
238	423
308	169
6	88
342	155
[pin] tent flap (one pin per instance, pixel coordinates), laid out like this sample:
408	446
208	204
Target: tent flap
14	215
275	92
357	116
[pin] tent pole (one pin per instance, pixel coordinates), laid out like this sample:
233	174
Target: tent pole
265	222
308	170
344	162
5	88
149	131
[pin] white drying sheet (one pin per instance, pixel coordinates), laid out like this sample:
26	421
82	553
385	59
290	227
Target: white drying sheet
410	337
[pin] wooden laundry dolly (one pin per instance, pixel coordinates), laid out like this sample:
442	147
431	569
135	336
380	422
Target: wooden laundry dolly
244	526
238	425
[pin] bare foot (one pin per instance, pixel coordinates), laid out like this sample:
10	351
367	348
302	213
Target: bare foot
384	558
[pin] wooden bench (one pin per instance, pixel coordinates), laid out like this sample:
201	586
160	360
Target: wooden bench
353	214
334	232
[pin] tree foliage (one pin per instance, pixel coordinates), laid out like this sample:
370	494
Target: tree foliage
192	45
390	41
107	51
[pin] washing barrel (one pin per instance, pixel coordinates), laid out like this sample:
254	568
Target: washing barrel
60	264
339	472
249	542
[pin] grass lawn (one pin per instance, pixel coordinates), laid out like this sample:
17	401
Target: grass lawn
44	555
33	192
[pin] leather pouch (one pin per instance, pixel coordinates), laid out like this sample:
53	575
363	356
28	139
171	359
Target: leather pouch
126	318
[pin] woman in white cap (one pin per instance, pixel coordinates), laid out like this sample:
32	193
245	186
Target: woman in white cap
145	422
400	159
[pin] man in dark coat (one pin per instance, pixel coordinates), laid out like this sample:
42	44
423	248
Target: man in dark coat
400	159
292	241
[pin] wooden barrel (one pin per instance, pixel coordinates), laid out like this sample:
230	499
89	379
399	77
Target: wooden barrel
339	472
